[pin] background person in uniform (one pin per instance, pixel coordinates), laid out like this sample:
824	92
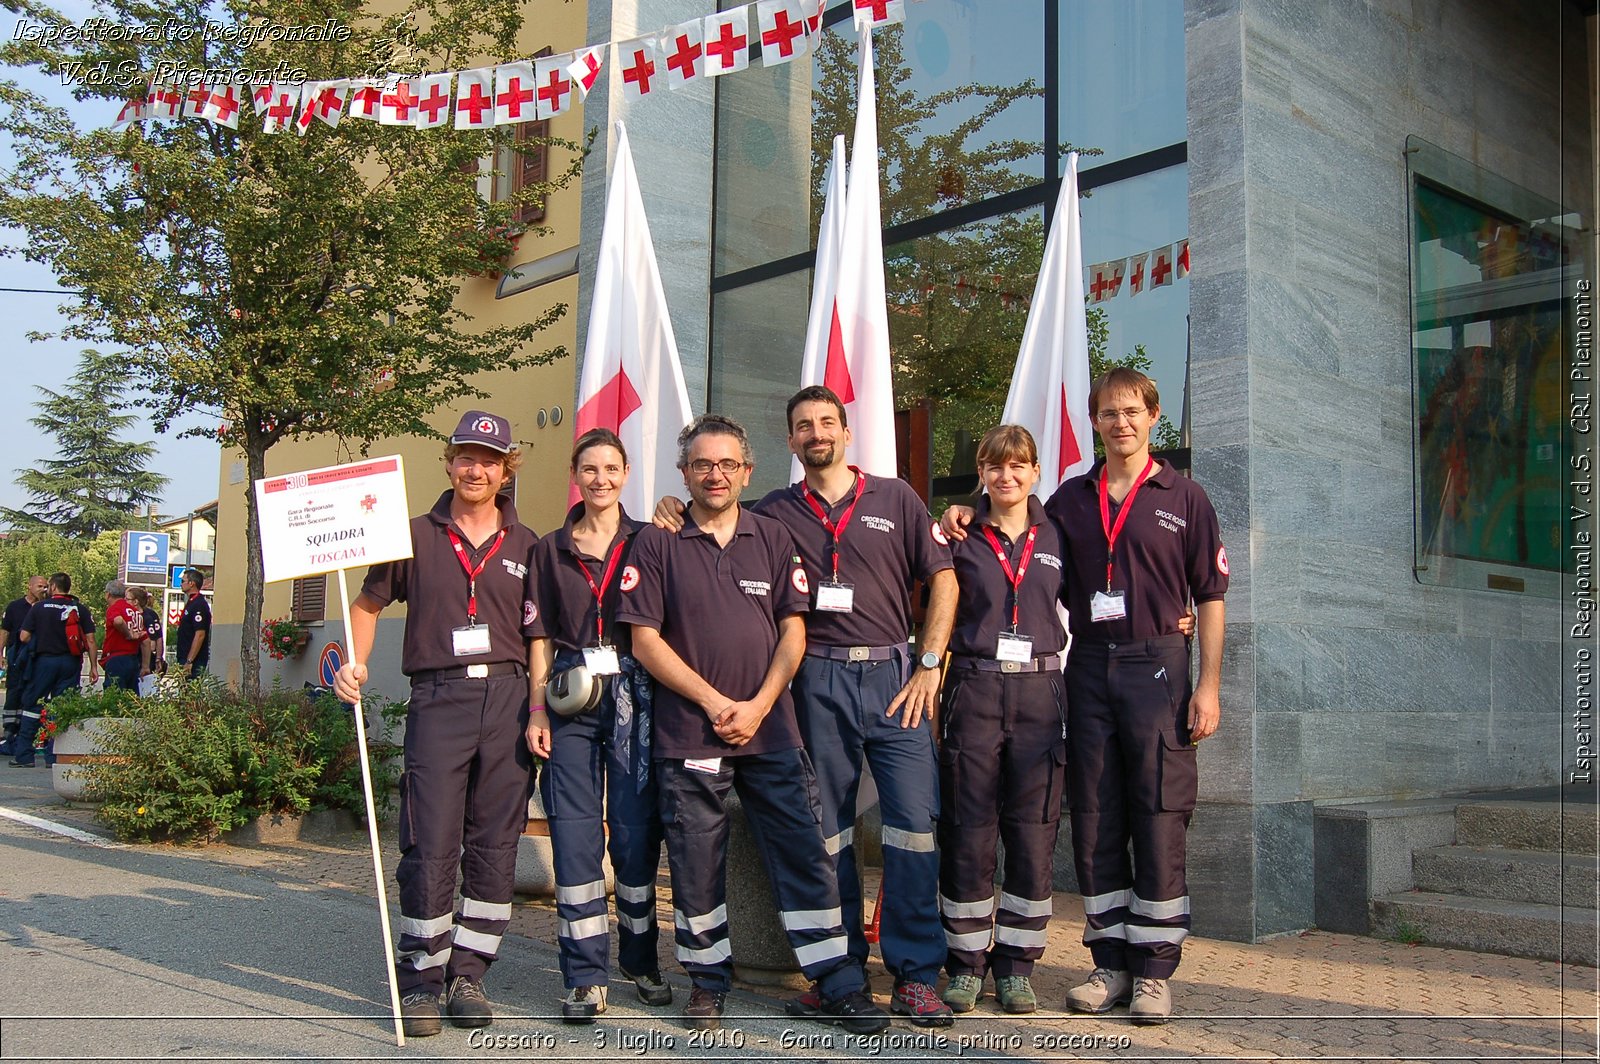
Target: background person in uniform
194	627
1142	542
468	772
18	658
154	628
598	762
56	668
126	652
716	614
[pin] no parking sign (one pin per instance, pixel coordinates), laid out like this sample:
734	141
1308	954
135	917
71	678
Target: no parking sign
332	661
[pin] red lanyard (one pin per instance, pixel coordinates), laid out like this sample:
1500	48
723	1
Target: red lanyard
835	531
1014	578
1113	531
600	588
473	574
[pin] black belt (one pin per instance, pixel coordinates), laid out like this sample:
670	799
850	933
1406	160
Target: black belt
971	661
470	672
852	653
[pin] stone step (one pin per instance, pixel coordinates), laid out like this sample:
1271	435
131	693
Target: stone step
1489	925
1528	826
1511	875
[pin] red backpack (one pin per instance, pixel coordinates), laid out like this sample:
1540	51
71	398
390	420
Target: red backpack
74	630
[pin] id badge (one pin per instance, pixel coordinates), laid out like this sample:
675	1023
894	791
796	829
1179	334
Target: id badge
470	641
834	597
1108	606
602	661
1014	648
709	765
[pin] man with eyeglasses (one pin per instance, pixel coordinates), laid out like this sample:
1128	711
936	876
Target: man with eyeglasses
717	613
1142	542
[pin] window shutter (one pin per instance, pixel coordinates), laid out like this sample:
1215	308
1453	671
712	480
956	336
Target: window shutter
308	601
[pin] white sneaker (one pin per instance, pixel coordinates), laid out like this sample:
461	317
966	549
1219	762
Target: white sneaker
1104	990
1152	1002
582	1004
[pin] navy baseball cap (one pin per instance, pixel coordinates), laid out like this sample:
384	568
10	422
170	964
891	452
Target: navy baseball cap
485	430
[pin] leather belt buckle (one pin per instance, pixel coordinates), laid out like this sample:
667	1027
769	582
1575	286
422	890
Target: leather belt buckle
477	672
859	653
1011	666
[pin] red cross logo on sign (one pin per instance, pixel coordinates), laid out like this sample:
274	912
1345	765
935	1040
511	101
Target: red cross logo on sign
369	502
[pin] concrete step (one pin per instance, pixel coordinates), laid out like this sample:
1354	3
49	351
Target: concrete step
1511	875
1489	925
1528	826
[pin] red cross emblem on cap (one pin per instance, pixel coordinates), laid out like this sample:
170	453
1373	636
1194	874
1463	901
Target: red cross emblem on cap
485	424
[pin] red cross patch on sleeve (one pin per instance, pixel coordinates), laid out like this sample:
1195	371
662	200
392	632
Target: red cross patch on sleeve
939	537
801	584
1222	560
630	578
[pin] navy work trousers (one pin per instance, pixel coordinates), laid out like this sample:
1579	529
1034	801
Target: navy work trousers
51	675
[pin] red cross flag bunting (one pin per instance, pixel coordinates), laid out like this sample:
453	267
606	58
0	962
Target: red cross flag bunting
166	102
783	31
135	110
814	10
553	86
727	42
475	98
513	94
1161	267
365	98
261	97
1182	263
640	65
1105	279
398	105
195	99
323	101
683	53
585	68
222	107
1136	272
433	101
873	13
280	112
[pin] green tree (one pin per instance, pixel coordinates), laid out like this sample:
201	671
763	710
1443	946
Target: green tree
97	480
90	562
288	286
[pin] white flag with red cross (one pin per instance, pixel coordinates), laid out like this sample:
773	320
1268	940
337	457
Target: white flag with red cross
165	102
261	98
863	306
195	98
1181	265
585	68
433	101
134	110
631	381
365	99
1136	274
783	31
1105	280
513	94
727	42
814	10
870	14
323	102
280	113
224	105
398	104
1161	267
553	85
683	53
1050	385
823	359
475	98
640	65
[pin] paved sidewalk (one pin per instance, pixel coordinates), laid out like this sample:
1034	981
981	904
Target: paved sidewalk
1311	996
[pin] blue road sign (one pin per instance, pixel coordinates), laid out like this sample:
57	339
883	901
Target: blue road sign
145	557
332	661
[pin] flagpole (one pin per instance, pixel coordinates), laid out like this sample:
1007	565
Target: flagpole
372	826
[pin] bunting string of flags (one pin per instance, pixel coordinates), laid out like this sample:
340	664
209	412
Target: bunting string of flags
525	90
1146	271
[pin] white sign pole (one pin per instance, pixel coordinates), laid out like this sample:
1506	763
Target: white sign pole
372	825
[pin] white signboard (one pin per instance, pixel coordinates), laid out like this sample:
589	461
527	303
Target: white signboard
339	517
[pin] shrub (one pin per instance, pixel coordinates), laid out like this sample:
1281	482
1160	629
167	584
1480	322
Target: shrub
70	707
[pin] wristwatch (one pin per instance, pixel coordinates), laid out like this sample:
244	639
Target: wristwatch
928	660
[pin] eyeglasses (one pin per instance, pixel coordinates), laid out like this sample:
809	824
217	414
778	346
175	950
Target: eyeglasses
1111	417
701	467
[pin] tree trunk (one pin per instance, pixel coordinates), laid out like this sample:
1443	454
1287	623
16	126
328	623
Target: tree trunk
255	460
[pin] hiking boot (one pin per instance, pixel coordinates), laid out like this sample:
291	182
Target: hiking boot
807	1006
467	1004
1105	989
1152	1002
704	1011
855	1012
419	1014
963	992
19	762
920	1003
1015	993
582	1004
652	989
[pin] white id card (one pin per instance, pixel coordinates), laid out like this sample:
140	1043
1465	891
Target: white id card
709	765
470	641
1108	606
835	597
1014	648
602	661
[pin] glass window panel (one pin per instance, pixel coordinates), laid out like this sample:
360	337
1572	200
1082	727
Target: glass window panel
1123	81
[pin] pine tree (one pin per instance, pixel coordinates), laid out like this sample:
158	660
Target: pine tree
98	481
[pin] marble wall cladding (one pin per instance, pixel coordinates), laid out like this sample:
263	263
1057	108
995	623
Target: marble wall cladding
1279	766
1226	759
1285	867
1221	870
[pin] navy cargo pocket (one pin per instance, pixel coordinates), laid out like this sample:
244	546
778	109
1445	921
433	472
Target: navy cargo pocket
1180	775
949	782
408	837
1056	783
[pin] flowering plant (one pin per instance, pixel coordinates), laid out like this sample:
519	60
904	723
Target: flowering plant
281	637
47	729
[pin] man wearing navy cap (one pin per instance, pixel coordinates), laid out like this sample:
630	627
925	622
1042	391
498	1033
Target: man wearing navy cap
464	794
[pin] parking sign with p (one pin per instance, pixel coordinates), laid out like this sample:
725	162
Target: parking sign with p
144	558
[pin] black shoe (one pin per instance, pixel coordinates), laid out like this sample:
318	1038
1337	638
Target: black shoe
468	1006
14	763
652	989
419	1015
807	1006
704	1011
855	1012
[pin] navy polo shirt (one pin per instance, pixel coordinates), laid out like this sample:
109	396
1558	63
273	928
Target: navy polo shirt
889	543
46	624
196	618
16	612
568	613
718	608
1170	547
984	609
435	582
